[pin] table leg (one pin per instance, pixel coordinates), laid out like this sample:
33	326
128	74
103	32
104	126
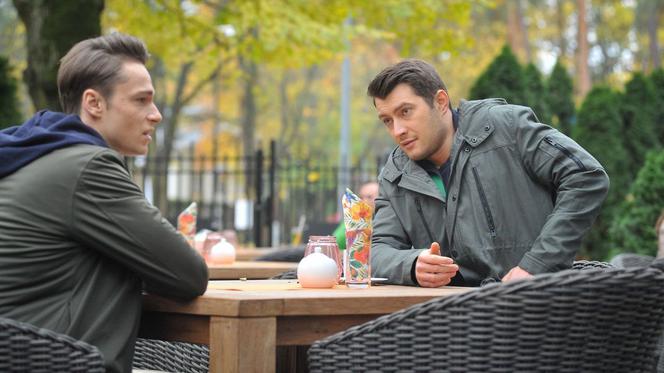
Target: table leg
239	345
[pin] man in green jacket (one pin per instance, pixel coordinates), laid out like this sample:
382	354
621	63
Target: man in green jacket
78	240
480	193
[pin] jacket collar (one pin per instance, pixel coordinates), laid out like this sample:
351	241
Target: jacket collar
475	126
475	131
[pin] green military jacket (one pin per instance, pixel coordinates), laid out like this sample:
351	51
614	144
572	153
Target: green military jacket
77	241
520	193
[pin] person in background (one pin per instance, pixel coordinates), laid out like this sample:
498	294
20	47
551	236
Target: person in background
659	231
368	193
78	240
479	193
628	259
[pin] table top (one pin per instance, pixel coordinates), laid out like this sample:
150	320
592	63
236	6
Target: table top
244	253
287	298
248	270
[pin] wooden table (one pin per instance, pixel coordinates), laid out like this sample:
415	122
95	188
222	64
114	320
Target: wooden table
253	253
249	270
243	322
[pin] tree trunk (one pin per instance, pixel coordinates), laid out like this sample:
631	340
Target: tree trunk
170	121
292	114
248	116
248	120
52	28
561	20
653	25
582	51
517	35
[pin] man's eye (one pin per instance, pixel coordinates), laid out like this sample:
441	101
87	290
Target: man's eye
387	122
406	111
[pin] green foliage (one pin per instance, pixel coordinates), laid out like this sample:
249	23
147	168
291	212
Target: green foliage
503	78
638	115
598	131
9	112
536	93
657	79
52	28
633	230
560	97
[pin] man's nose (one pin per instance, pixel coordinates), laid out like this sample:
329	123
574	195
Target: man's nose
398	128
155	115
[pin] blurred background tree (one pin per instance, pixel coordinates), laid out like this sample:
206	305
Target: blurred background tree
600	133
536	95
233	74
9	105
637	108
560	97
503	78
49	35
633	230
657	79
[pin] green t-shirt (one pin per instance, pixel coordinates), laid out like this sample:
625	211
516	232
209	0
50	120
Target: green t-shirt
340	235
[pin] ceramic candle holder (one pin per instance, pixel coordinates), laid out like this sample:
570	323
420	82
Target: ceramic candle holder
222	253
317	270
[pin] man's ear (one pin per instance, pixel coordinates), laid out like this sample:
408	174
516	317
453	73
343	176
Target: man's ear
92	103
442	101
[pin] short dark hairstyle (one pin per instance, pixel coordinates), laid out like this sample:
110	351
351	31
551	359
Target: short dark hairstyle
419	75
95	63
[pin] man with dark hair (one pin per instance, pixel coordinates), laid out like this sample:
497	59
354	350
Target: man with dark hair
481	193
78	239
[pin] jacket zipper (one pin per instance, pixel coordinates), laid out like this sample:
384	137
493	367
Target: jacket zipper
566	151
418	205
485	204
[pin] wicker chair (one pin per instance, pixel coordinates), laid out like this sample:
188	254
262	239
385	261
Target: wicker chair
152	354
26	348
287	275
590	264
594	320
626	260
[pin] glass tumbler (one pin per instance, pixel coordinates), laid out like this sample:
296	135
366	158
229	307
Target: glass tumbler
328	246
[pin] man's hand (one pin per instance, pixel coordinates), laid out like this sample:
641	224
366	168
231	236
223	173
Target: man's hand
516	273
433	270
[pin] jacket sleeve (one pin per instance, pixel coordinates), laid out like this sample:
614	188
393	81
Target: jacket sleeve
392	255
578	184
110	214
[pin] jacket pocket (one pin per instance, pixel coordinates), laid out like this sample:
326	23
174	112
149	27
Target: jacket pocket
418	205
485	204
566	152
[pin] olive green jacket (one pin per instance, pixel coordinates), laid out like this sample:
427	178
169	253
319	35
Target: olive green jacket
77	241
520	193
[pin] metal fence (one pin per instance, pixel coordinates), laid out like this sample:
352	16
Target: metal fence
268	199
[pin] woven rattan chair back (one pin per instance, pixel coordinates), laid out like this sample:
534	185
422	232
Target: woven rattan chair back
594	320
590	264
26	348
626	260
151	354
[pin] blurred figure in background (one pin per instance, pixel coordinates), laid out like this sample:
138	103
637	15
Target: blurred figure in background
368	192
626	260
659	231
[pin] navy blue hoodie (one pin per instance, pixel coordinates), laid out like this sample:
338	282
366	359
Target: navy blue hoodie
45	132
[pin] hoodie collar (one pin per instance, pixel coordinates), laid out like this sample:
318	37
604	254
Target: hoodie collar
45	132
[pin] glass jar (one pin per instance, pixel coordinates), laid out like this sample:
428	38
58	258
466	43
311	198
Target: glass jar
328	246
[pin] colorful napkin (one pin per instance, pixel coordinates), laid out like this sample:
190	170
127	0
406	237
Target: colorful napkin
357	219
187	223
